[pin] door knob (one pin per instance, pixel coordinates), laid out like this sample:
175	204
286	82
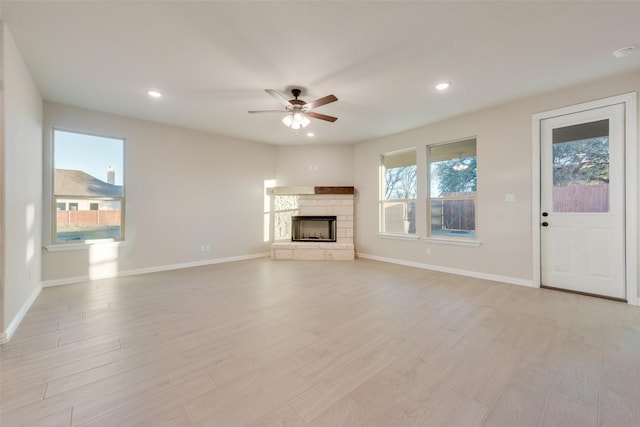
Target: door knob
545	213
545	224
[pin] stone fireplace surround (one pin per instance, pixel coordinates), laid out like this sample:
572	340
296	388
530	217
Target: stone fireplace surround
320	201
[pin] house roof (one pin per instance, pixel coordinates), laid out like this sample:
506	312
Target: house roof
77	183
213	60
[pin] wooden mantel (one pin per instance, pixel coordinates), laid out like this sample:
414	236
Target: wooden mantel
334	190
308	190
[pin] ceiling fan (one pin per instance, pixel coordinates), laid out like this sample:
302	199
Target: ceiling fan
299	111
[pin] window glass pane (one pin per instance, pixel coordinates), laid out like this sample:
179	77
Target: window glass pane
93	163
452	189
399	175
80	222
453	218
452	168
88	186
398	192
581	168
399	216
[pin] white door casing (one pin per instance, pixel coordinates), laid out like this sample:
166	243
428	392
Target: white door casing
630	214
583	234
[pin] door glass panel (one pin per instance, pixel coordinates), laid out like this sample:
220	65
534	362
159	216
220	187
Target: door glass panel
581	167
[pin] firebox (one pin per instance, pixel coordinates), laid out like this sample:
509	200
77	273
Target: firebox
313	228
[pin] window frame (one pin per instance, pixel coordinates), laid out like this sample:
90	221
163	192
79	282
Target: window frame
473	196
382	200
56	244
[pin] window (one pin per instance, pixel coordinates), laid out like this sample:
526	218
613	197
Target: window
451	203
398	192
581	167
88	187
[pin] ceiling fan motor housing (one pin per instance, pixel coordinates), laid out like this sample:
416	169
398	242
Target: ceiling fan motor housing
297	103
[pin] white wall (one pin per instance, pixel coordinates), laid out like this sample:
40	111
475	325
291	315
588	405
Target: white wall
184	189
22	178
318	165
504	166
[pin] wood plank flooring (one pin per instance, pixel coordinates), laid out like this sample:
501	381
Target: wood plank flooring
306	343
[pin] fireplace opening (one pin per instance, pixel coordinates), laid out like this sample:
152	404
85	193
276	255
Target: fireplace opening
313	228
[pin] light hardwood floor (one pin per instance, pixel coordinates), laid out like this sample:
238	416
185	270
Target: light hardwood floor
281	343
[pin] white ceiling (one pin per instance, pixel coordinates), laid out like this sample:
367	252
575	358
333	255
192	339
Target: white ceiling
213	59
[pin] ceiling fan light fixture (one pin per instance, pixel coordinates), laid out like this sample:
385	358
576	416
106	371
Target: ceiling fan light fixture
443	86
296	120
288	120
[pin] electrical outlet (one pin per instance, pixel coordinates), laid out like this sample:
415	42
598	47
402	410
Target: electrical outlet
428	251
202	248
207	247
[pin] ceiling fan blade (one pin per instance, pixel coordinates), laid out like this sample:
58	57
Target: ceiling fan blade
321	116
267	111
280	97
322	101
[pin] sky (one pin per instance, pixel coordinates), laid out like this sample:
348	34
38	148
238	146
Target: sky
89	153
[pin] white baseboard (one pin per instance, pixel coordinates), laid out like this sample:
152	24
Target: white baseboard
8	333
79	279
475	274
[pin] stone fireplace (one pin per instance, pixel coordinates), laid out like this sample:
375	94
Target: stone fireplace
315	213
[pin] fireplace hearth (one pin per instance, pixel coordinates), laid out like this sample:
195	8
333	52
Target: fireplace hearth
313	228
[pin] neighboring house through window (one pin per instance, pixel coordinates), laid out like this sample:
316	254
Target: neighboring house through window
88	187
452	184
398	192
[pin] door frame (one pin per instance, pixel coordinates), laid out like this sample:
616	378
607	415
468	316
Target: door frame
631	185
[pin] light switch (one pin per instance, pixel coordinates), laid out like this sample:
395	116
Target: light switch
509	197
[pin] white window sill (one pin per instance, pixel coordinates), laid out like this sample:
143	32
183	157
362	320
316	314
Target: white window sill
455	242
58	247
398	236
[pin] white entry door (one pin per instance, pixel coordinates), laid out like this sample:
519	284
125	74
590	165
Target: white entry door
582	216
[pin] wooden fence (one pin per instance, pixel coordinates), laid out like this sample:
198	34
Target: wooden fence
581	198
88	217
454	214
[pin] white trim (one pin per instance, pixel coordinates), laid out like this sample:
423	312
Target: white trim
452	241
80	279
475	274
398	236
631	187
80	246
6	335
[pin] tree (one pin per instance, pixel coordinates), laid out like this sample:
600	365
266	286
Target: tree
584	162
454	176
400	183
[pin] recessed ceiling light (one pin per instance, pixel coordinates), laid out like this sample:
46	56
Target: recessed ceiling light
154	93
624	52
310	134
443	86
